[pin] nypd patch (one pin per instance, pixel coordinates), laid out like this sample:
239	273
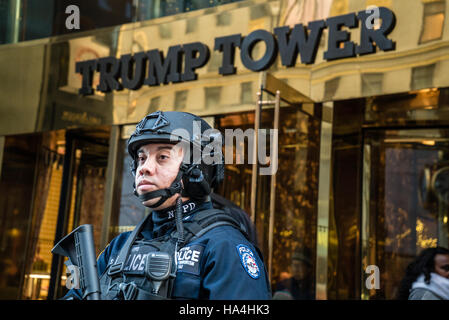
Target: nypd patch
248	260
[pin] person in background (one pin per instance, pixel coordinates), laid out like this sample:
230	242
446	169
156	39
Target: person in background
427	277
300	285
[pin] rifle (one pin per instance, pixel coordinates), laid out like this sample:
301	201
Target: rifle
78	246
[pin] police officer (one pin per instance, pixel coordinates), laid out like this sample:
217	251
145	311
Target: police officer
185	249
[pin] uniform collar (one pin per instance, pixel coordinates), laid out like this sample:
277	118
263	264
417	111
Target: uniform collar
164	220
165	215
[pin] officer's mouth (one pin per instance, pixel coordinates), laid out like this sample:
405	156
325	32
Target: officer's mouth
146	186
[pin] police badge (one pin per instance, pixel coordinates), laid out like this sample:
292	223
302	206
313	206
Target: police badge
248	261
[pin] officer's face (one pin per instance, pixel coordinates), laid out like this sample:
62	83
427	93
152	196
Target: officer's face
157	167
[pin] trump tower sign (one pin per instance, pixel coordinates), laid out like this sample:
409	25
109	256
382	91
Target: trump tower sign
152	68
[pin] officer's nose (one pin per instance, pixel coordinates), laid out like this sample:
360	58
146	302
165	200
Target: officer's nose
148	167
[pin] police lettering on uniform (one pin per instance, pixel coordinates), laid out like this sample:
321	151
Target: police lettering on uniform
185	248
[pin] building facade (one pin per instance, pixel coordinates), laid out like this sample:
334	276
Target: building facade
363	113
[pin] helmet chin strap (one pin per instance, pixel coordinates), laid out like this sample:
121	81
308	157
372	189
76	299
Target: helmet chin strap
175	187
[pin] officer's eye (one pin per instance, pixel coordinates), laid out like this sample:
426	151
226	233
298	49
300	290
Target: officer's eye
163	157
141	159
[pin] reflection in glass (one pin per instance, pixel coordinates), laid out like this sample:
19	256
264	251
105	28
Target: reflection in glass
91	181
426	106
372	83
29	19
388	202
433	21
344	217
85	204
330	88
408	201
150	9
212	96
180	99
296	197
246	92
131	211
16	192
46	204
422	77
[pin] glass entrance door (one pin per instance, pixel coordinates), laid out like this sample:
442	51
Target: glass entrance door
405	201
286	215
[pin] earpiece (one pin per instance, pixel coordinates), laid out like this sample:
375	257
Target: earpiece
195	183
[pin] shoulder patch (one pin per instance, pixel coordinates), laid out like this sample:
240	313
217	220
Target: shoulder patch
248	260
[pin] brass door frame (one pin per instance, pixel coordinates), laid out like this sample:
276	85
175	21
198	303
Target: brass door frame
282	91
255	170
367	257
324	201
112	175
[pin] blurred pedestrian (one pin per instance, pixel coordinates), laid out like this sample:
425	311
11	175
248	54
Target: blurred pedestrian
427	277
300	285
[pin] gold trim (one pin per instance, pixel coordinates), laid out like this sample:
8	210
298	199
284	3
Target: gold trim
272	85
365	226
255	166
324	181
274	162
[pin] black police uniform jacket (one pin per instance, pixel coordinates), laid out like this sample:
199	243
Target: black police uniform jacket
221	264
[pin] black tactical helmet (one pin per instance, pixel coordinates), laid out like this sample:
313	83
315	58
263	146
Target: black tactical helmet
198	177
